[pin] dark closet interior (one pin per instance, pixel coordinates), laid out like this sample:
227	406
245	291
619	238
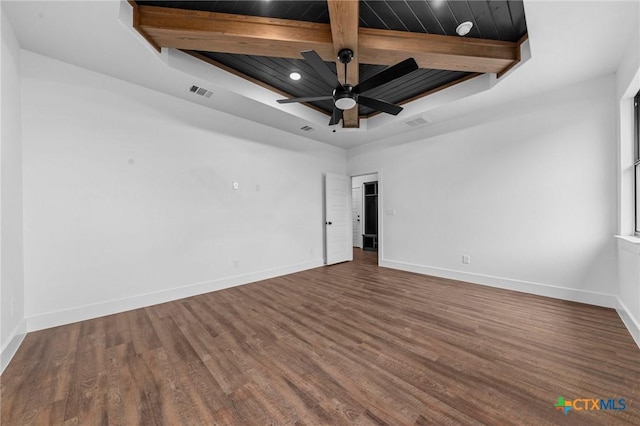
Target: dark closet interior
370	235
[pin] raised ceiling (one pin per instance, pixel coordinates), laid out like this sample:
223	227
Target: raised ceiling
261	41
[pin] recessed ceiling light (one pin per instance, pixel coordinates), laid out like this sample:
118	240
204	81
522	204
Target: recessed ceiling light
464	28
295	76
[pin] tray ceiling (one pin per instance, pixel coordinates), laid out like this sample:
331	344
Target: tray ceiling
381	33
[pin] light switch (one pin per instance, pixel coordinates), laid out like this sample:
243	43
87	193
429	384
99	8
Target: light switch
236	185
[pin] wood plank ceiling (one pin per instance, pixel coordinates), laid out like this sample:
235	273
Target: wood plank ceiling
262	40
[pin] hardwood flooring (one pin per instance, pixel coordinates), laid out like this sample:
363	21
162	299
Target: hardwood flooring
349	344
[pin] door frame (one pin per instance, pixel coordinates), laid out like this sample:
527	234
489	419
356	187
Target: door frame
380	209
361	221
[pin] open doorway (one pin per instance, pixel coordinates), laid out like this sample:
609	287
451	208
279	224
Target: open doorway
365	215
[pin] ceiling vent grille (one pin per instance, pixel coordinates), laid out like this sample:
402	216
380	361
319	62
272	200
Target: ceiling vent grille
417	122
306	128
200	91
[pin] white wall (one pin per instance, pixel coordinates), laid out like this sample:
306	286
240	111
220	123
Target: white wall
12	328
129	200
358	181
627	85
527	192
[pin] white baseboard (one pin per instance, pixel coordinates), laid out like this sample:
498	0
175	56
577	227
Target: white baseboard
556	292
629	321
80	313
12	345
53	319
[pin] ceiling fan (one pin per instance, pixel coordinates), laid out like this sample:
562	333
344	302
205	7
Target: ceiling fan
345	96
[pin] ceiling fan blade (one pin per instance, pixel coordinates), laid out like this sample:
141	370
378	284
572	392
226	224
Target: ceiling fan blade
321	68
379	105
386	75
307	99
336	116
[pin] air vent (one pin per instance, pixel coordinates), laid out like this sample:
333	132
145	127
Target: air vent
200	91
306	128
417	122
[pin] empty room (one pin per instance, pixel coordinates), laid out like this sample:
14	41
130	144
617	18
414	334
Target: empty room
331	212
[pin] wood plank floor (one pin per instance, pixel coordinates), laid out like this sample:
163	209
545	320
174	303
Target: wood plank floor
350	344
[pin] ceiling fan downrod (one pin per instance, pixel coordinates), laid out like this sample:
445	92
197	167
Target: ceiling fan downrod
345	56
344	97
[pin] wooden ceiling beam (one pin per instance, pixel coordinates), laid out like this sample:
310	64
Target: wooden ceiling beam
344	19
433	51
253	35
229	33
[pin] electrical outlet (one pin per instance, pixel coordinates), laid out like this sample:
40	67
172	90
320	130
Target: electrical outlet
466	259
236	263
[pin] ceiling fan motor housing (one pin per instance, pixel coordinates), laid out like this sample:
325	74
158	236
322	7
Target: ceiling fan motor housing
344	97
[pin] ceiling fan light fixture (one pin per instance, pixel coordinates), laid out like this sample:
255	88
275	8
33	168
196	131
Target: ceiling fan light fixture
344	98
295	76
345	103
464	28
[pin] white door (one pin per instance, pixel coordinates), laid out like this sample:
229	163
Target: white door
356	216
338	219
